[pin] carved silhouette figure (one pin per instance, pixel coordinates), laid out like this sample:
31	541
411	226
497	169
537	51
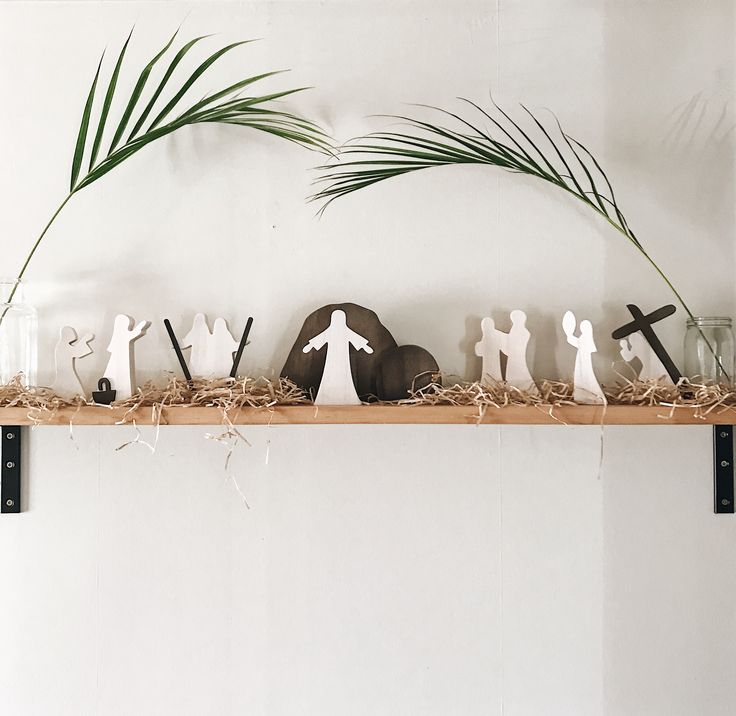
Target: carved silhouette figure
652	368
517	371
513	345
68	349
198	340
586	386
212	351
221	349
120	369
489	349
337	386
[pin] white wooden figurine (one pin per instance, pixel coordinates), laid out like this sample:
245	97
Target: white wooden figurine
489	349
637	346
198	340
68	348
221	349
586	386
337	386
513	345
120	369
212	351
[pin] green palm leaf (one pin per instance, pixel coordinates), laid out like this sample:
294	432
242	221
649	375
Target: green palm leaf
83	128
107	102
505	144
192	79
225	106
164	81
137	91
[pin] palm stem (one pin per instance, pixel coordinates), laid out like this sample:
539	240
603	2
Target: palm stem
626	233
33	250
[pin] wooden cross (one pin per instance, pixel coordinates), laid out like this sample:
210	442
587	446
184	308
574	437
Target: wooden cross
644	324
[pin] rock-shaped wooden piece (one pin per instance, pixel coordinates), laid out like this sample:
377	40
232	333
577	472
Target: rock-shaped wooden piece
403	370
306	369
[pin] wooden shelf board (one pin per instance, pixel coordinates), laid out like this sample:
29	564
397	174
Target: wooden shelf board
375	414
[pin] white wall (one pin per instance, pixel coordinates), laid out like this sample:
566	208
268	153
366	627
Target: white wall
378	570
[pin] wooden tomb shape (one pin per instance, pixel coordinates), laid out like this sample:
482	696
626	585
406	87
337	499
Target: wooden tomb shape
586	386
69	348
404	370
306	369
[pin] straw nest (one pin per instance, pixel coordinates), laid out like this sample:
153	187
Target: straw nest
230	394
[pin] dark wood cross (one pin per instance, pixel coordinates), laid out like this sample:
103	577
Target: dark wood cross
644	324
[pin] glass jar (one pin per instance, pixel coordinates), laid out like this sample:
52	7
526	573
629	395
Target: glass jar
709	349
18	335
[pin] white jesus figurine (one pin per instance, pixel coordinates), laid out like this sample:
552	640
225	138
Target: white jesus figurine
68	348
337	386
586	386
121	367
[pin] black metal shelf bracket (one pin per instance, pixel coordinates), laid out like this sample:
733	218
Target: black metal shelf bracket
723	469
10	471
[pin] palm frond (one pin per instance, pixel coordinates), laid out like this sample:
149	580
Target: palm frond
491	137
224	106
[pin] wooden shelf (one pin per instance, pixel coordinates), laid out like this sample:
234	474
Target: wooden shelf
375	414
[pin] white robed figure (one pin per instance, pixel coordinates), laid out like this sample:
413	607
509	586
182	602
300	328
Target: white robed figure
68	349
222	346
337	386
489	348
637	346
514	347
198	340
120	369
212	351
586	386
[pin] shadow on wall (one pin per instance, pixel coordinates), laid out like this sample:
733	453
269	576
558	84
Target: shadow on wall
670	106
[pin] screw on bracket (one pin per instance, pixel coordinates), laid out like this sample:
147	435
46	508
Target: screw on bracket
723	473
10	481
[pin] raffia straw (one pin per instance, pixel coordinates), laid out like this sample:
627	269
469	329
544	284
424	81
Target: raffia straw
493	394
702	398
41	403
231	395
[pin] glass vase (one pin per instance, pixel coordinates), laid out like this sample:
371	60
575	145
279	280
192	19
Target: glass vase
18	335
709	350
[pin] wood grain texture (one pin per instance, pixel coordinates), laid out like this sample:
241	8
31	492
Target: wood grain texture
373	414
